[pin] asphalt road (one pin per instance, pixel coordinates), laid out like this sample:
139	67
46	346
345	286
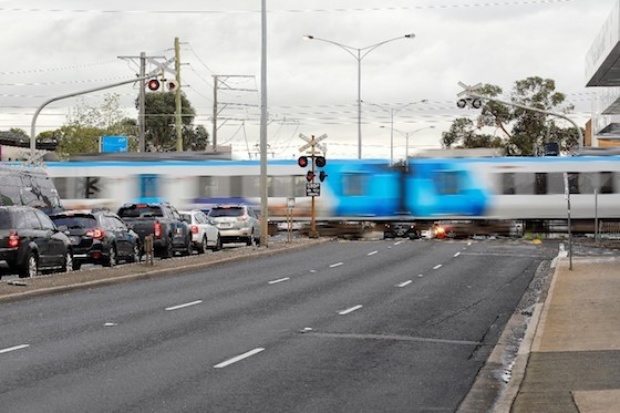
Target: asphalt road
342	326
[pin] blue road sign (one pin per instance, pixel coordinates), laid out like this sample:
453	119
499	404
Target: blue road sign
114	144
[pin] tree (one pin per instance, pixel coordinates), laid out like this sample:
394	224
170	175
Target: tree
160	121
86	124
523	131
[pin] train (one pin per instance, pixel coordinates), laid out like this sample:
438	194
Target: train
529	190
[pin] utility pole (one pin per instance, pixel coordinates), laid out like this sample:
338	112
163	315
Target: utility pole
177	95
219	80
142	105
141	98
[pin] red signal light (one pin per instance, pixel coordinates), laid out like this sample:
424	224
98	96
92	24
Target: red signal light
302	161
153	85
320	161
310	176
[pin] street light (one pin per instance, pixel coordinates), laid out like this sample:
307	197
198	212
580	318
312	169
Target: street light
392	111
408	134
358	55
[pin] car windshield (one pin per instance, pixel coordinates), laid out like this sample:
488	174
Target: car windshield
75	221
140	211
226	212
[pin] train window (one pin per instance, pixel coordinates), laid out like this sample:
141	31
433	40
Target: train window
251	186
587	182
606	183
508	184
236	186
280	186
354	184
207	186
448	182
555	183
540	183
573	183
299	186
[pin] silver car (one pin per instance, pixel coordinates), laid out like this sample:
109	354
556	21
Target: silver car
205	235
237	223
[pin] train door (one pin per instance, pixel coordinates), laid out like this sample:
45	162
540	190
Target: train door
149	188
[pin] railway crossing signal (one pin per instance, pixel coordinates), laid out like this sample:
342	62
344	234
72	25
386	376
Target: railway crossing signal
314	160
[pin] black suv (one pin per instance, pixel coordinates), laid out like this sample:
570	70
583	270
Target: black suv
98	236
30	242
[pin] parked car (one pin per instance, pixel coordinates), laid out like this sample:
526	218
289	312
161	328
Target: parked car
98	236
401	229
205	234
162	221
30	243
237	223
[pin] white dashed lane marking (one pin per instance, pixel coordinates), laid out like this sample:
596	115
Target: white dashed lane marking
238	358
177	307
14	348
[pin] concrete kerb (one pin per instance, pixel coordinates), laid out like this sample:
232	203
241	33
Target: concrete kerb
145	271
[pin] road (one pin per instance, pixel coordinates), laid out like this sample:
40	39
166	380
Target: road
343	326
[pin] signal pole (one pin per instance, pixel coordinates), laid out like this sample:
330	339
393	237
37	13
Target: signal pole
313	189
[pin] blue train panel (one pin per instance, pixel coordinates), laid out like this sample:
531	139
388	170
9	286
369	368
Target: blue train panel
444	187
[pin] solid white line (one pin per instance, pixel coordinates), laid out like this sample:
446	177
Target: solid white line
436	267
457	254
238	358
372	253
404	284
176	307
20	347
338	264
349	310
279	281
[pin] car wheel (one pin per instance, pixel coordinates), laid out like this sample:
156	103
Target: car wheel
76	265
250	241
202	248
168	249
218	244
68	265
111	261
188	247
31	268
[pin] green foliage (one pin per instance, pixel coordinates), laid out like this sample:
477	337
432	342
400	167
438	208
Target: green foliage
160	120
522	132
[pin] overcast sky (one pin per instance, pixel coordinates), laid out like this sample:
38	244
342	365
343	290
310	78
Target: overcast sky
54	47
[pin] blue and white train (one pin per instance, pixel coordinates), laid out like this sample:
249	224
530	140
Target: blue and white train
490	188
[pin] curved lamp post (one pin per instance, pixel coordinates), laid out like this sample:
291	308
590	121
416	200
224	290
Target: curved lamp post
408	134
392	111
358	54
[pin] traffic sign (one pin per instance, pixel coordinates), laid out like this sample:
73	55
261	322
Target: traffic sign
311	142
313	189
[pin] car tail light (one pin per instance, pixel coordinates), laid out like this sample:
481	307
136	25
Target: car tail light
13	239
194	229
96	233
157	229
